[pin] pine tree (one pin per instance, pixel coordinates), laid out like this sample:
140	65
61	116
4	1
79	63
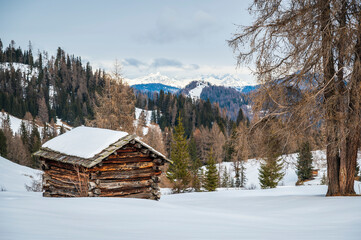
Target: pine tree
242	171
324	179
24	134
211	178
195	165
35	140
271	173
3	144
178	172
304	162
225	183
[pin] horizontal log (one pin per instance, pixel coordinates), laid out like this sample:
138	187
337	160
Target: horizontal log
125	192
62	175
127	150
62	171
60	184
128	155
97	191
63	165
122	166
127	160
128	174
66	192
125	180
141	195
68	179
124	185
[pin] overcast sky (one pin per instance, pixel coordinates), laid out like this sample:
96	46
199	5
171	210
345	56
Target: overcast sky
175	38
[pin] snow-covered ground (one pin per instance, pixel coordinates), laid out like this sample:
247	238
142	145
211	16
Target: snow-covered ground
195	93
15	124
286	212
24	68
253	165
148	119
14	177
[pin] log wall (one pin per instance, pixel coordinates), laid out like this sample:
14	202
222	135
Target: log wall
132	171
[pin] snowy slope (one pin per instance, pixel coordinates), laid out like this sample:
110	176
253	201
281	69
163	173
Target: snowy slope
24	68
286	212
195	93
282	213
15	124
290	178
148	115
13	177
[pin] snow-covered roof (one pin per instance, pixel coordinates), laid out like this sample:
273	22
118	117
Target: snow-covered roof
84	142
88	146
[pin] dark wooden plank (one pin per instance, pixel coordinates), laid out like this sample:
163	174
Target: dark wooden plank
123	166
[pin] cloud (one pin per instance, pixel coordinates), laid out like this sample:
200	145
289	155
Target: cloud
132	62
165	62
172	26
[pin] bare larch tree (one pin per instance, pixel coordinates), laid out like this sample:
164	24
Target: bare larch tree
308	59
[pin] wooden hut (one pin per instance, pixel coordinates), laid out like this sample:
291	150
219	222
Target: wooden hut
94	162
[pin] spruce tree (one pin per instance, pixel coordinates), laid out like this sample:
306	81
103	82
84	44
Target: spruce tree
225	183
24	134
196	164
178	172
237	182
3	144
211	178
270	173
304	162
35	140
242	173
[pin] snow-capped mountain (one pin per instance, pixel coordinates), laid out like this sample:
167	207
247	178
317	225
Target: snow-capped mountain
156	78
226	80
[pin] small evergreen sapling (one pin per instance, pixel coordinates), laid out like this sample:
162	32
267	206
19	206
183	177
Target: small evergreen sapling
225	183
271	173
211	179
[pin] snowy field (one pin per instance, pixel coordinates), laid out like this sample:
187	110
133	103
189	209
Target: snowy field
287	212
